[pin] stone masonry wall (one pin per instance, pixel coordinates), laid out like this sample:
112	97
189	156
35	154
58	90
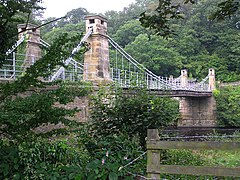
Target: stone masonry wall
197	111
96	60
81	103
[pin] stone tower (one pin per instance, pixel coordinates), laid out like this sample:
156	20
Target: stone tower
184	78
96	60
33	50
211	80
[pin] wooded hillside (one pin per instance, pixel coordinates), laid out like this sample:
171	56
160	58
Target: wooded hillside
197	42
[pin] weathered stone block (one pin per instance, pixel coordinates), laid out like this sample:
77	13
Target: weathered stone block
196	111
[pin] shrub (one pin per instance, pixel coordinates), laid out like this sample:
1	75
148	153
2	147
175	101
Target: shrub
131	114
110	153
228	106
41	159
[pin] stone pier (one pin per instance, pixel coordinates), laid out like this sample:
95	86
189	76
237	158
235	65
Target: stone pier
96	60
197	111
33	50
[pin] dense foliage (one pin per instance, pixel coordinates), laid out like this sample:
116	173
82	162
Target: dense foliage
30	102
166	10
40	159
228	106
26	104
12	13
132	114
116	135
197	43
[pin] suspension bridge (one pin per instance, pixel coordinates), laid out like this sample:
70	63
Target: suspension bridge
106	61
123	69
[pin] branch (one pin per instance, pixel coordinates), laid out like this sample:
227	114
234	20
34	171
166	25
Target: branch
39	25
27	20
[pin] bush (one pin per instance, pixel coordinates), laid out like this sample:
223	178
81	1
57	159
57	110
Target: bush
108	153
228	107
185	158
131	114
41	159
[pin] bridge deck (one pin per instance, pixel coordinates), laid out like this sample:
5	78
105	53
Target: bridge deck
174	93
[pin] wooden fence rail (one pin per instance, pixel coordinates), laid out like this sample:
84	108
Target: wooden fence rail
154	168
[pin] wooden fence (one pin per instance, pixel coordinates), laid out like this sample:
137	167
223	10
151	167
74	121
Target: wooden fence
154	168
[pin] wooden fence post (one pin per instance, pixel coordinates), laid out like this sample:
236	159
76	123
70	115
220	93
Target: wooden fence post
153	155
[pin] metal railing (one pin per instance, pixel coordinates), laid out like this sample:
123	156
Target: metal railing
127	72
60	72
15	65
73	72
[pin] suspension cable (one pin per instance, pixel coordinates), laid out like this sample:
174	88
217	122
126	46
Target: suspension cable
138	65
16	45
74	51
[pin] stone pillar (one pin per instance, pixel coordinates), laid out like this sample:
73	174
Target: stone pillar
96	60
33	50
184	78
197	112
171	79
211	81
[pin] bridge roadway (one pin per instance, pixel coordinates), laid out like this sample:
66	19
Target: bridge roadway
173	93
158	92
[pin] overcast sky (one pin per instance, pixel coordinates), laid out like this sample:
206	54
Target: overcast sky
58	8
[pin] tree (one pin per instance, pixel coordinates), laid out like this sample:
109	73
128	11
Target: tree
115	20
74	16
226	9
13	12
158	19
26	104
229	51
72	29
156	55
167	10
118	113
48	27
128	32
23	110
18	110
208	44
228	106
118	19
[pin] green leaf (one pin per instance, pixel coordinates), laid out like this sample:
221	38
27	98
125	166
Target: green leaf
16	166
5	169
71	176
113	176
91	177
78	177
